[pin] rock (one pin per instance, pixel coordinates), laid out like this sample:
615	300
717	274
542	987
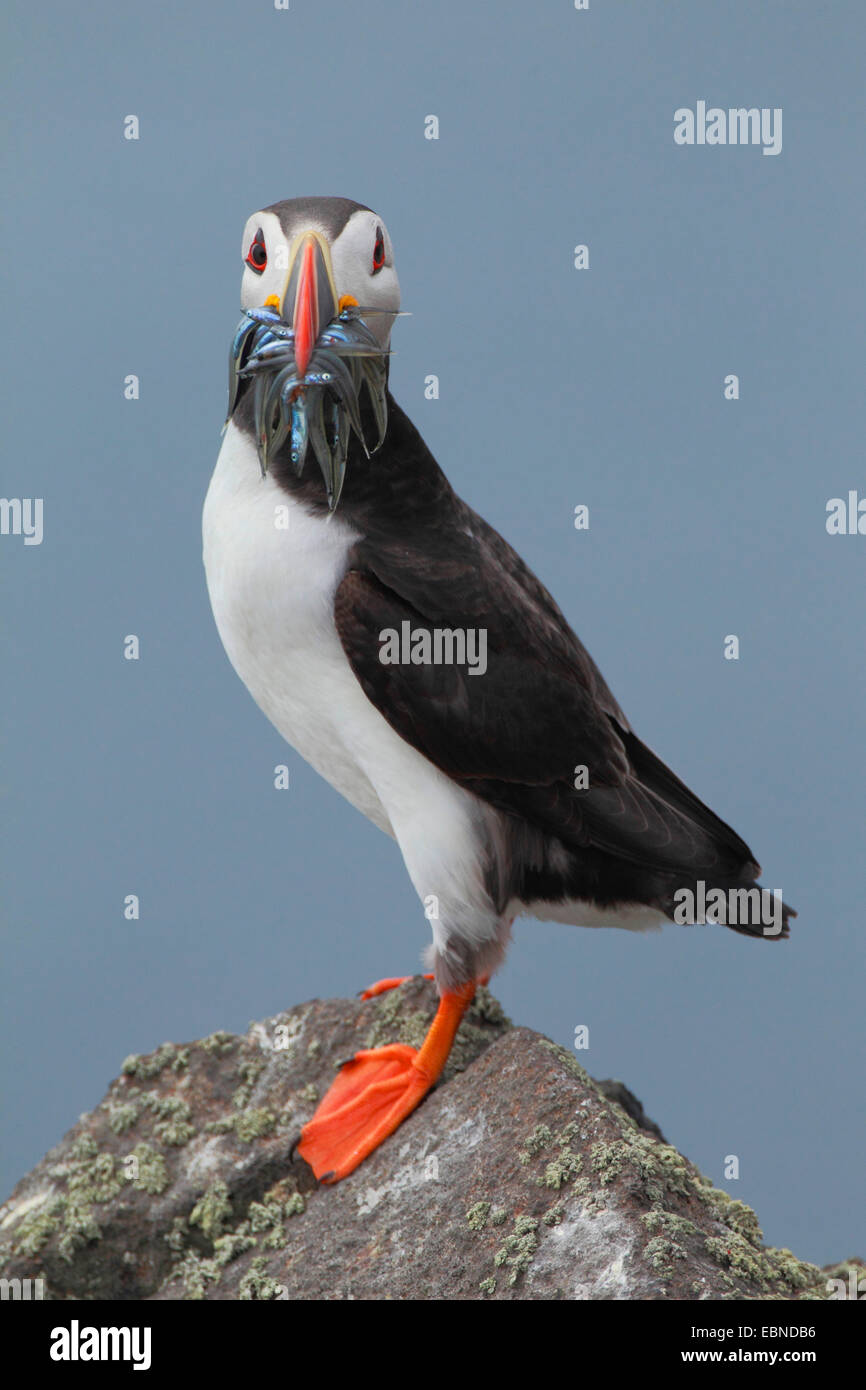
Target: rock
519	1177
615	1090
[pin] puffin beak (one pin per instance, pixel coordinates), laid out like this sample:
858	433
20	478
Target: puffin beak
309	299
308	354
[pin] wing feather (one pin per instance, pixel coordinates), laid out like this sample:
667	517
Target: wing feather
515	734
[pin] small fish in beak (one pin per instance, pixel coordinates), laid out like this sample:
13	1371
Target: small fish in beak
308	358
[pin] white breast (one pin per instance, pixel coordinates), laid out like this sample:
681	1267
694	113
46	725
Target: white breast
272	590
272	570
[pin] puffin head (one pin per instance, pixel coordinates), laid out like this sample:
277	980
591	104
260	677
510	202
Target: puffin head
320	294
306	255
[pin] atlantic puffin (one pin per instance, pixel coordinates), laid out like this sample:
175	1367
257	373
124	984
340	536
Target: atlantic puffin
404	649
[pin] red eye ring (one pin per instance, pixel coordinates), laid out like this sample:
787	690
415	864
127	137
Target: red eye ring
257	256
378	251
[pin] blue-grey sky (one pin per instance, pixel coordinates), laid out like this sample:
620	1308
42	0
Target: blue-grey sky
559	386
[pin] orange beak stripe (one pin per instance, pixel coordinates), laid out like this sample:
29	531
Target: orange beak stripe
306	318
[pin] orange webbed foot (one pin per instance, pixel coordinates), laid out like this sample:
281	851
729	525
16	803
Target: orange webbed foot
370	1098
374	1093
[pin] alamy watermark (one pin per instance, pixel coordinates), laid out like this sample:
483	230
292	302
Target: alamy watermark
22	516
77	1343
731	907
738	125
22	1289
437	646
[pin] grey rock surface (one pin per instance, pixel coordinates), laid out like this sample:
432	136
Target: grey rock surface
519	1177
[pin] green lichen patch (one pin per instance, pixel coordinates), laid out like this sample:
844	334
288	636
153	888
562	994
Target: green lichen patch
470	1042
81	1150
152	1176
564	1165
267	1218
212	1211
148	1066
476	1216
80	1228
266	1221
89	1179
219	1043
263	1216
90	1175
658	1168
594	1202
176	1238
561	1170
535	1143
97	1182
734	1253
254	1123
662	1253
668	1223
196	1274
518	1248
263	1225
258	1286
173	1118
393	1023
488	1009
38	1226
488	1285
223	1125
234	1243
249	1072
772	1271
554	1215
730	1211
123	1117
248	1125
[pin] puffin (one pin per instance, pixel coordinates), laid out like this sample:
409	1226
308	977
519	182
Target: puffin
409	655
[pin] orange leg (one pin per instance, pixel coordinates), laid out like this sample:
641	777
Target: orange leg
375	1091
392	982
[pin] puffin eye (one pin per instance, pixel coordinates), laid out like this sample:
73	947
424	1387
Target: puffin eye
257	257
378	251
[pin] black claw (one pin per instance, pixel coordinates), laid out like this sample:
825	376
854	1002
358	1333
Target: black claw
293	1146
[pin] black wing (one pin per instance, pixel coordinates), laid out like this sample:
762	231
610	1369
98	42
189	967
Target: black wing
516	734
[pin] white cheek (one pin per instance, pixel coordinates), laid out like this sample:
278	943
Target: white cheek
248	281
383	292
255	289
